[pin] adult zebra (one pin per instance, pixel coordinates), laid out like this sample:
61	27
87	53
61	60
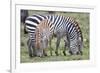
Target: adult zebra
60	26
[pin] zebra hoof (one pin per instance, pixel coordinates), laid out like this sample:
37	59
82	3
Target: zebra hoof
56	53
70	52
64	53
30	55
45	55
79	53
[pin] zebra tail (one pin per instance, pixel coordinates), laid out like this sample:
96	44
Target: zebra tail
25	32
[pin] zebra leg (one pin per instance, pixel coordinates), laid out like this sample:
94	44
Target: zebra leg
64	52
44	52
50	47
30	48
33	48
57	45
67	44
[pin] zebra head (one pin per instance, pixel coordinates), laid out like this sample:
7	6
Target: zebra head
76	47
38	48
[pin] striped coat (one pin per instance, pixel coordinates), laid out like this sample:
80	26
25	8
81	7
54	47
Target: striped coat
66	26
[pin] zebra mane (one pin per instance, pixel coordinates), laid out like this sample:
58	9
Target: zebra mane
78	30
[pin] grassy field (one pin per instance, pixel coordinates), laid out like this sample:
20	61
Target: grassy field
81	18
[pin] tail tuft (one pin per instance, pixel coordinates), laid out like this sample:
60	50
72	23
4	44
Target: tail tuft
25	32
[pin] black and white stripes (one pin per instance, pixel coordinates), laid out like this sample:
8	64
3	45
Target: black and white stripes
32	22
67	26
61	26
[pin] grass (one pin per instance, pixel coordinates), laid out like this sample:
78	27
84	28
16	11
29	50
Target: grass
81	18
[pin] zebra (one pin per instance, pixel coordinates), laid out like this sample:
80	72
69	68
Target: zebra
63	26
31	23
43	34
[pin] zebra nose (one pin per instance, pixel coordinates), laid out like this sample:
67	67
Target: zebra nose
39	54
79	53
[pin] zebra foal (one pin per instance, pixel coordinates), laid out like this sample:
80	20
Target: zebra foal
43	35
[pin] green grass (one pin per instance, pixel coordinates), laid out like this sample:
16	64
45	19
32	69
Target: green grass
81	18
